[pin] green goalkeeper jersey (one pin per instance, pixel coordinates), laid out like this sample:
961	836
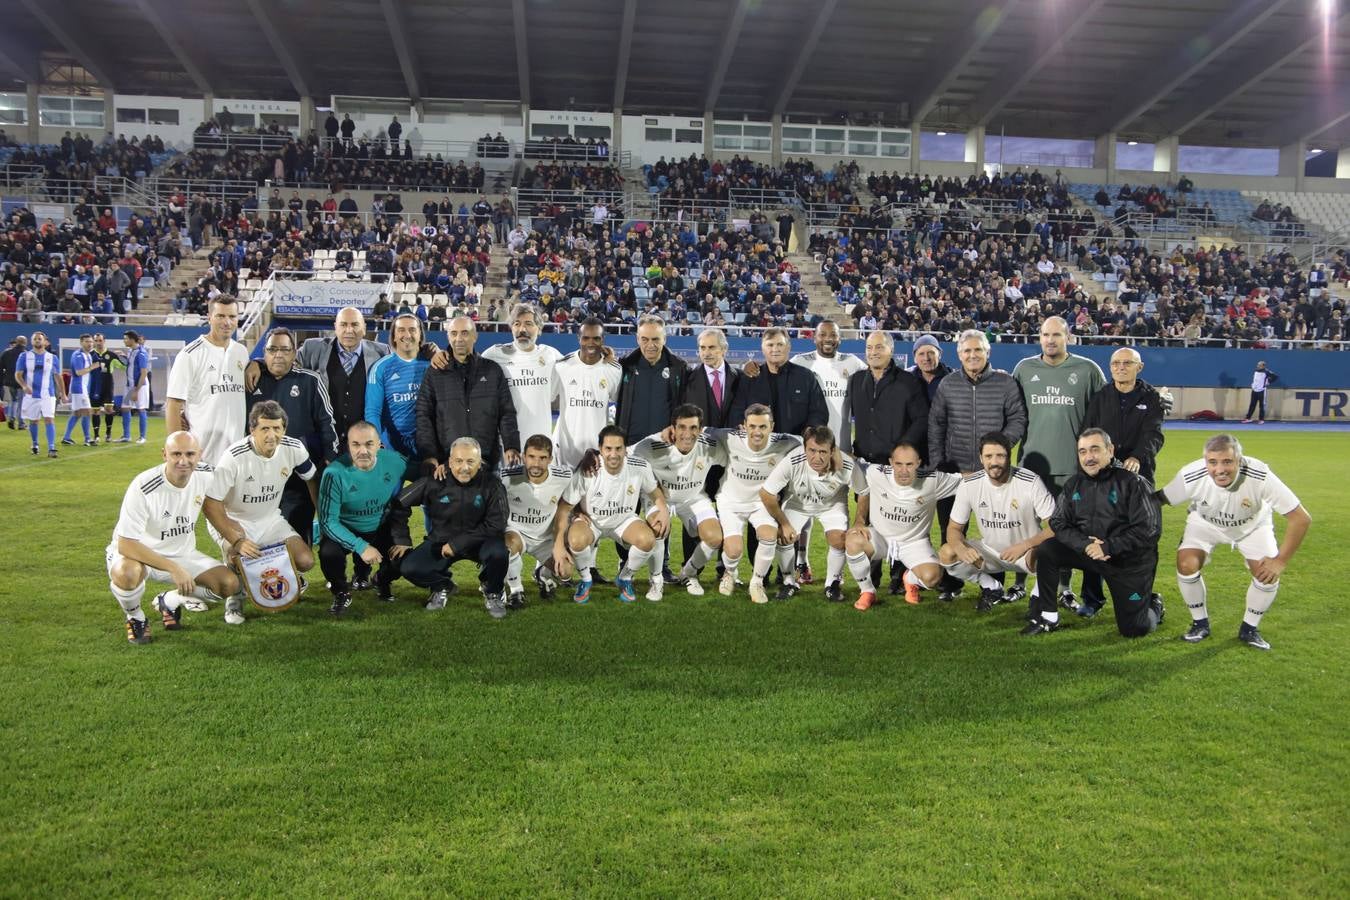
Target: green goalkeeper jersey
1057	399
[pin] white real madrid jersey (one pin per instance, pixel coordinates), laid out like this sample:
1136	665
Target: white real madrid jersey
530	378
250	484
681	475
161	516
1007	513
534	507
747	469
1237	510
833	373
611	499
814	492
584	396
905	512
210	382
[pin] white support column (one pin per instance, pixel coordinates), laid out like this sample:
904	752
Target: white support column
34	121
776	139
109	111
306	115
208	107
1104	156
616	137
1165	156
975	148
1292	158
1343	162
915	140
708	133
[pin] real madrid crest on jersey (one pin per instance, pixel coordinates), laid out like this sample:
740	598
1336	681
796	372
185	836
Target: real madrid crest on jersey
1013	503
1073	378
543	360
602	384
630	489
285	472
665	373
295	390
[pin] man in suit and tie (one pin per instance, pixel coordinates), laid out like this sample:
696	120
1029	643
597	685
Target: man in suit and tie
712	387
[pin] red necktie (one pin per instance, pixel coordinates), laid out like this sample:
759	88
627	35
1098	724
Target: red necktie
717	387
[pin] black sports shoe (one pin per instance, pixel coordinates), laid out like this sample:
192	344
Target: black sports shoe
384	592
1250	636
494	605
597	578
67	442
1039	625
138	631
989	598
515	600
947	596
1198	631
787	591
834	592
1156	601
897	585
1087	610
1014	594
361	584
547	582
341	600
172	618
1068	600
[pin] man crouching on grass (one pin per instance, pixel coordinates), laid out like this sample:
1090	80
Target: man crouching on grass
156	538
1106	521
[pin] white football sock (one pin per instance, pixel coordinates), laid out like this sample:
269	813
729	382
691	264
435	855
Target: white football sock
1194	594
861	567
130	601
787	563
1259	598
636	560
834	565
513	567
764	554
699	558
585	561
657	558
989	582
731	564
911	578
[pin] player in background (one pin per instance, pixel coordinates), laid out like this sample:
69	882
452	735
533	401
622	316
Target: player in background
540	497
156	538
529	369
392	384
243	503
1057	386
607	497
82	368
814	484
103	385
38	372
681	457
832	370
206	384
893	520
587	382
1231	498
1009	504
136	395
749	455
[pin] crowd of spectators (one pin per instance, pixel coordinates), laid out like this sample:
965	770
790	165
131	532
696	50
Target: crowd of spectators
1154	201
710	276
83	270
78	158
926	225
1009	285
339	167
697	180
1022	191
589	150
563	176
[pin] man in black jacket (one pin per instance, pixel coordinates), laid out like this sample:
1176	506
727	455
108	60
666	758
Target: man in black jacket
309	418
467	510
1131	411
887	405
653	380
1106	521
791	391
470	397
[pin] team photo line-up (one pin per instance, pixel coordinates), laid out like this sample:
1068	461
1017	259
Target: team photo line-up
358	434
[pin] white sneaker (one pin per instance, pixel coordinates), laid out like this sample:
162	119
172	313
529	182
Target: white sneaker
757	592
691	585
727	585
195	604
140	440
234	618
655	590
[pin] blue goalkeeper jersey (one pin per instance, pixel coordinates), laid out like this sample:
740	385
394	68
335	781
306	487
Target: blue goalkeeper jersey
391	401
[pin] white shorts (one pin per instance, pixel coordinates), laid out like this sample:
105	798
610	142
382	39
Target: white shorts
732	516
194	561
599	533
831	520
693	513
993	564
540	548
79	402
269	531
35	408
1201	535
137	399
911	553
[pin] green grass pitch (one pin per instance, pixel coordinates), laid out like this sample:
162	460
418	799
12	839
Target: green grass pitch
696	747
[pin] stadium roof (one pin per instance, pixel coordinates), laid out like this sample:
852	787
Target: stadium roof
1220	72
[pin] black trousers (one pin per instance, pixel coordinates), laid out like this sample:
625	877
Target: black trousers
1130	583
1093	594
297	509
424	565
1258	400
333	559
